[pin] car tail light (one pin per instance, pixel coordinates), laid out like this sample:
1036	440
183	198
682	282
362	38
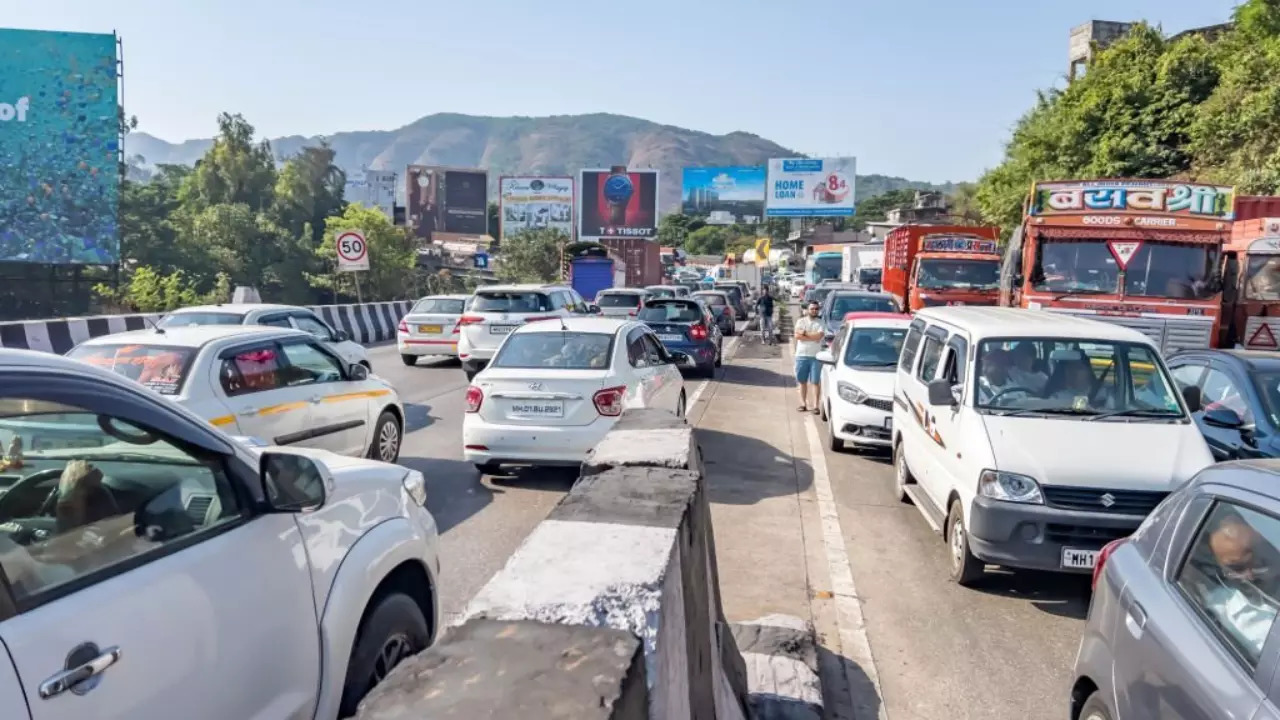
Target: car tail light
633	313
697	332
609	400
457	327
470	320
404	326
475	396
1103	555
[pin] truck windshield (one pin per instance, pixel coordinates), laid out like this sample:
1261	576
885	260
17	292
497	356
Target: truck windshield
1156	269
946	274
869	276
1262	278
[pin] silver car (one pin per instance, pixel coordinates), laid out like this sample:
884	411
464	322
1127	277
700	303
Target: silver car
621	302
1182	621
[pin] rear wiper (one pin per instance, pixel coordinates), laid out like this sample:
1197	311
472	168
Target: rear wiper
1138	412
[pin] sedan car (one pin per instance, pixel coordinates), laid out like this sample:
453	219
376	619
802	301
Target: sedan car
431	327
499	309
553	390
278	316
721	309
1182	619
1234	397
621	302
280	385
156	567
858	378
686	326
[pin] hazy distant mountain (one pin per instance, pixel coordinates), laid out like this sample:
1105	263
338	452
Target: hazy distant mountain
557	145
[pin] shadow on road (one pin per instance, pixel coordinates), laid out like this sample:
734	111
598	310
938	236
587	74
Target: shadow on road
1057	594
847	691
456	490
417	417
742	470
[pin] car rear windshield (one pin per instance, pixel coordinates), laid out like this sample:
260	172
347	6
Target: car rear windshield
733	290
612	300
443	306
670	312
160	367
559	350
201	318
514	301
843	304
713	298
661	292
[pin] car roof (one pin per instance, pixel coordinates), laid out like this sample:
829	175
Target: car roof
454	296
711	292
840	292
621	291
575	324
192	336
663	286
521	287
1258	475
235	307
1250	359
878	319
982	322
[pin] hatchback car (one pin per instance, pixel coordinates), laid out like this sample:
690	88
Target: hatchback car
1182	619
1234	399
280	385
499	309
840	301
431	328
721	309
686	326
279	316
739	299
157	568
857	379
621	302
554	389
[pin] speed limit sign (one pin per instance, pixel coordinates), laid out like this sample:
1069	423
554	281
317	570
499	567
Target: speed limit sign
353	251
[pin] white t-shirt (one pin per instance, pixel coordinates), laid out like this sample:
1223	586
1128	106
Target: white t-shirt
809	326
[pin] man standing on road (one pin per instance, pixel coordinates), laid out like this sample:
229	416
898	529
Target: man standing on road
808	333
764	308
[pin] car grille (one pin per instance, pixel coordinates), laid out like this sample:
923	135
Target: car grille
1120	502
881	404
1084	536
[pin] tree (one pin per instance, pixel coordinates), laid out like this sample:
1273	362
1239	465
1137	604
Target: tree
963	201
307	190
531	256
707	240
494	220
876	209
391	257
674	229
236	170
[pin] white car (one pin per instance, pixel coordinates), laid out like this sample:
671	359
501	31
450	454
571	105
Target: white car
499	309
554	389
280	385
857	379
155	568
621	302
431	327
280	316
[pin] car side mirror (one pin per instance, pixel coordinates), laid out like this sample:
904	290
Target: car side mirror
940	393
358	372
292	482
1191	394
593	309
1223	417
826	357
340	336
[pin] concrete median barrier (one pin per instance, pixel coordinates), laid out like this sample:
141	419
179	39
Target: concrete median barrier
628	553
366	323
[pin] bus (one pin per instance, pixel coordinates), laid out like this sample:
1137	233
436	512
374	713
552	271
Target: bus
824	265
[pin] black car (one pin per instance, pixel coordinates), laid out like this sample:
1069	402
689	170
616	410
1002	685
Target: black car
1234	396
722	309
840	301
685	325
735	295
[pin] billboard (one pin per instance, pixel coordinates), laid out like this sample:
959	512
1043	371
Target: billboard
723	195
59	148
527	203
372	189
618	202
810	187
447	204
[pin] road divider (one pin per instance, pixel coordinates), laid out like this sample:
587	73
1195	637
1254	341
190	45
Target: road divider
610	608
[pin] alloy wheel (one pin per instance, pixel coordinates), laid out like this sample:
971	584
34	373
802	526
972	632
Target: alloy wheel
389	442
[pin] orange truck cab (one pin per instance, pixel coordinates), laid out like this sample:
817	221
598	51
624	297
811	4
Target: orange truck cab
1145	254
1251	277
930	265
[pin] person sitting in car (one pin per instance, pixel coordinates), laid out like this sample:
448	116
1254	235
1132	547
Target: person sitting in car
1023	370
995	378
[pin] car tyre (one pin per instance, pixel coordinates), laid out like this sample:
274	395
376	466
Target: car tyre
1095	708
681	409
392	632
826	417
409	360
720	355
833	442
388	437
488	468
965	568
901	474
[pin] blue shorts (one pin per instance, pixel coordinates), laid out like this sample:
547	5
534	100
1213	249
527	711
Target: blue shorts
808	370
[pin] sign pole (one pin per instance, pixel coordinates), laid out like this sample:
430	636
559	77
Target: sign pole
356	276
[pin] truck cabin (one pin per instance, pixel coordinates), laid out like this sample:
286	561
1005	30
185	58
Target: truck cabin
1251	285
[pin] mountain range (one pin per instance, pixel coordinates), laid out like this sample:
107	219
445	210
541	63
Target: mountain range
555	145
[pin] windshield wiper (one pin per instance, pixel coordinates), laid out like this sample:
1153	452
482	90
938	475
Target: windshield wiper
1138	412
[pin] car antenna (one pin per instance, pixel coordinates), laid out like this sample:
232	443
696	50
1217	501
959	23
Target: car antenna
159	330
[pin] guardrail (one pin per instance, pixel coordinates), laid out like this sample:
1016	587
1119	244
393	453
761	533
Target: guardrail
366	324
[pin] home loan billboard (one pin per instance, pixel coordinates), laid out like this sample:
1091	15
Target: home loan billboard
810	187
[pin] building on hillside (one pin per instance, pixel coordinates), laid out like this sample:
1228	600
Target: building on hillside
929	206
1089	38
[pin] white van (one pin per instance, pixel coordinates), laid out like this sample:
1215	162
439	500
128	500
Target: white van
1030	439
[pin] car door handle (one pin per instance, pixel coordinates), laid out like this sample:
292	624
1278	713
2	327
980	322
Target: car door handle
1135	619
248	412
67	679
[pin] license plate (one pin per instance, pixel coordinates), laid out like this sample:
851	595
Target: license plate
669	337
548	409
1077	559
430	329
888	423
501	329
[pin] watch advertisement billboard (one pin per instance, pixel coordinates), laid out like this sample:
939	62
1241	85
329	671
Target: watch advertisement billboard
531	203
810	187
618	202
723	195
59	148
446	204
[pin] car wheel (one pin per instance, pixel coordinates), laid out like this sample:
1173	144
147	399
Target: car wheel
1095	708
720	355
823	411
901	474
488	468
386	438
409	359
680	405
965	568
395	630
833	442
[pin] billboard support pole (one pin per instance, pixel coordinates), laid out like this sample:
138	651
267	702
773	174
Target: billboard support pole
355	275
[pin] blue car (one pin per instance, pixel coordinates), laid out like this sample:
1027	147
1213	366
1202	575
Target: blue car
686	326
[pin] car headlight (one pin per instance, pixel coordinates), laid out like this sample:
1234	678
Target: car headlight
1009	487
416	486
850	392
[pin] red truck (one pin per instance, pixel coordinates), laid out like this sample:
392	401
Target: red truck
1251	276
929	265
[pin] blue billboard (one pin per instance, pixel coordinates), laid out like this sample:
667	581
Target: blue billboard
59	148
724	195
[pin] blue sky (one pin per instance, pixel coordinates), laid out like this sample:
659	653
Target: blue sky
927	89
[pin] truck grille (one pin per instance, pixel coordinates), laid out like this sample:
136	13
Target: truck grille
940	302
1170	334
1119	502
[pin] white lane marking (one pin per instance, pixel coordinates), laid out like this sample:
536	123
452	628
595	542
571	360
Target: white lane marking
730	350
849	621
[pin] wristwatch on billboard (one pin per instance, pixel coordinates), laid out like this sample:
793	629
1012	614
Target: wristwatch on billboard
617	193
